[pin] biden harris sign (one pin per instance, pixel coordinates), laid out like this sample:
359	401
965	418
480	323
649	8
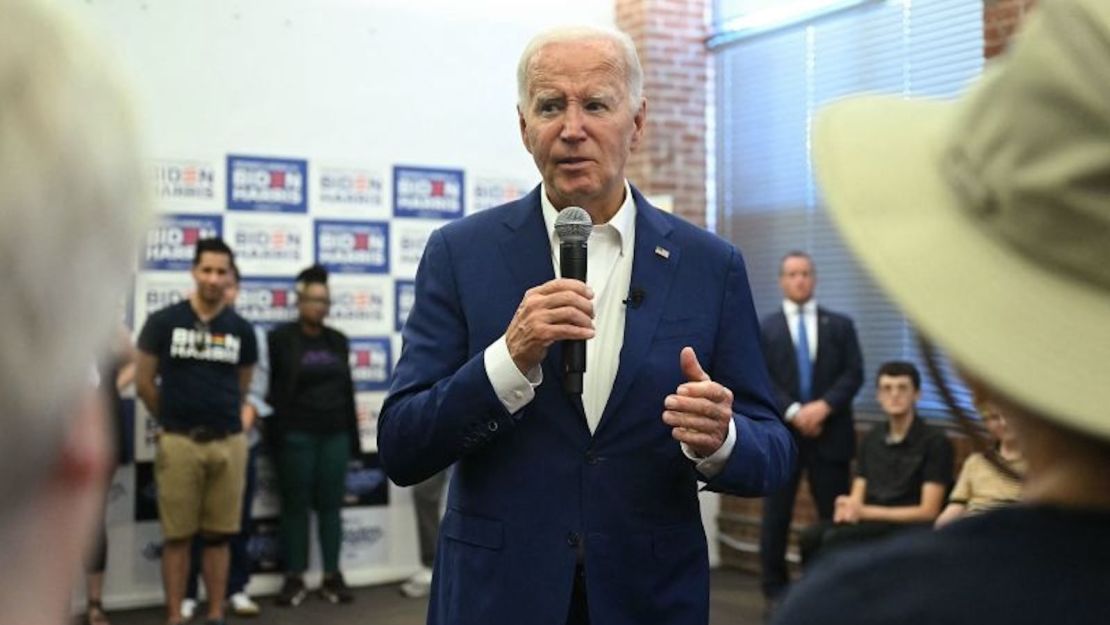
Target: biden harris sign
428	193
256	183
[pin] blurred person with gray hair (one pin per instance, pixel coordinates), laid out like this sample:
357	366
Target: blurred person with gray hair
988	221
72	205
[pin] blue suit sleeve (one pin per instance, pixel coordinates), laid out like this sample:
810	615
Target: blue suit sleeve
441	404
763	458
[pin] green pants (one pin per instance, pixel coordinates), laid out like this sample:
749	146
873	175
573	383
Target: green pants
313	475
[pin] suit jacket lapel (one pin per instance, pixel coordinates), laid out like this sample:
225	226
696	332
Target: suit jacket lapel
789	353
526	248
652	272
822	340
525	244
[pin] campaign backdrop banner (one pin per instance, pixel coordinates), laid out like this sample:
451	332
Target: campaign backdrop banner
366	483
371	363
267	302
269	244
156	290
366	538
490	191
258	183
172	242
184	182
345	191
370	236
353	246
428	193
361	304
409	238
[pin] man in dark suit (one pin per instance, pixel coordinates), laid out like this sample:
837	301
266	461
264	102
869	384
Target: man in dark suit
816	369
564	507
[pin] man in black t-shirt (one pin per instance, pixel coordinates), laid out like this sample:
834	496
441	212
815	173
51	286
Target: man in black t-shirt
905	469
203	352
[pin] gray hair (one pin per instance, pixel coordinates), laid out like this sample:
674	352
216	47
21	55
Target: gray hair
798	254
71	208
633	72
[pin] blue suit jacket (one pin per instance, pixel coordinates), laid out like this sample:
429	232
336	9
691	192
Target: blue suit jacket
837	376
533	492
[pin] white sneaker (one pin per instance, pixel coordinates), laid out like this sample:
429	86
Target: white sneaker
243	605
419	585
188	609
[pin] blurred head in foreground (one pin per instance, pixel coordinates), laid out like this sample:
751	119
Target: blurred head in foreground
71	206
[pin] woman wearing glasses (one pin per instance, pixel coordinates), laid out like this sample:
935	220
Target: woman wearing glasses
316	433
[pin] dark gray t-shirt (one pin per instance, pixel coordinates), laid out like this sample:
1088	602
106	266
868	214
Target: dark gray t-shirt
895	472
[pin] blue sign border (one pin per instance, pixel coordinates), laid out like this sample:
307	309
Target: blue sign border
274	207
370	268
179	220
363	386
425	213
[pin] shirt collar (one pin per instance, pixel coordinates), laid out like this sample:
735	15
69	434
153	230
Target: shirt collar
790	308
623	221
912	433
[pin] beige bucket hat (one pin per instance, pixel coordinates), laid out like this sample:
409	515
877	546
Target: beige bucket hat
988	218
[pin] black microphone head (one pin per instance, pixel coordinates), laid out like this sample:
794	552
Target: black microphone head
573	225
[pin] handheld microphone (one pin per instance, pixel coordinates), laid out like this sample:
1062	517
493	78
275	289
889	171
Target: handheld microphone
573	227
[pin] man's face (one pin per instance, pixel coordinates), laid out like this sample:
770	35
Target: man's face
578	124
897	395
796	279
212	274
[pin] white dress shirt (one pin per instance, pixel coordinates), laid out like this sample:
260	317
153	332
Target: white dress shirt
609	261
791	310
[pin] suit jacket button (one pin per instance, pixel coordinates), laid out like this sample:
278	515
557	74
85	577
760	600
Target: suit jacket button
591	457
493	425
572	539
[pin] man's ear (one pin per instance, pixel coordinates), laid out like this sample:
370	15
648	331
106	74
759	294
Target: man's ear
639	120
523	129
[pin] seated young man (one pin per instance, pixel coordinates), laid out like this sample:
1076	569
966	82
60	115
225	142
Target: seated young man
905	469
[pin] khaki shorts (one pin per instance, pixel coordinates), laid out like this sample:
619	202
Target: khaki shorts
200	485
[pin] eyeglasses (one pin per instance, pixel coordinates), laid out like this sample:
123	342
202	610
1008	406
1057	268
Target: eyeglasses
200	335
305	299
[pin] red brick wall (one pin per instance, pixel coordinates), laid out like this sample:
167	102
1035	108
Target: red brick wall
1001	19
670	38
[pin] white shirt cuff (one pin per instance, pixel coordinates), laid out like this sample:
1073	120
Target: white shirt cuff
791	411
714	464
514	389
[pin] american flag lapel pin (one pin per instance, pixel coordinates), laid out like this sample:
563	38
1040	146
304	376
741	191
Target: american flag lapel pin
662	252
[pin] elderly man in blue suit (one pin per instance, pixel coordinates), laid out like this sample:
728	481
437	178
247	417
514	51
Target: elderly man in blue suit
568	508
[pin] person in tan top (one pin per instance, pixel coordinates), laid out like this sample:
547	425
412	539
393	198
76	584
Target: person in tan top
981	485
